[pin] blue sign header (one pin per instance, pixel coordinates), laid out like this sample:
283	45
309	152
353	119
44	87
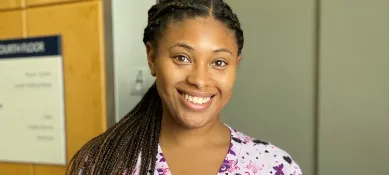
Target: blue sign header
30	47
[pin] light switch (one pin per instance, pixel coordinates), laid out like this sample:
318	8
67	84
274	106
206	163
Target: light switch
141	81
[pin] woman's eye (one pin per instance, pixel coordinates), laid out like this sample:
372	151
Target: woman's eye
182	59
219	63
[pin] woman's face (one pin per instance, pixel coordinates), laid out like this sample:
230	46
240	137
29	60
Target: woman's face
195	68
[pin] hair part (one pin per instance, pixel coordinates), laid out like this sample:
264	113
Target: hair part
117	150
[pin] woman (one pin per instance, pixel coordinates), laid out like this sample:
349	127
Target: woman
193	49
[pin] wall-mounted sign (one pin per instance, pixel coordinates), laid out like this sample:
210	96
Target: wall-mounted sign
32	117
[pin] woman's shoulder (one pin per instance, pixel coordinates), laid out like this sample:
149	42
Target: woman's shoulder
263	155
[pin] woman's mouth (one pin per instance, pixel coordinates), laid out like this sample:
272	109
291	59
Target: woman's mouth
196	101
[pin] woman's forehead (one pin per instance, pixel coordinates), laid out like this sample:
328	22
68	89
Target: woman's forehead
198	32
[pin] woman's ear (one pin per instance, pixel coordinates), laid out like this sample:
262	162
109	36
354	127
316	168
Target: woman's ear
150	50
238	60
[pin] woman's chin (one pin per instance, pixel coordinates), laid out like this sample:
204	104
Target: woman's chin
193	121
189	119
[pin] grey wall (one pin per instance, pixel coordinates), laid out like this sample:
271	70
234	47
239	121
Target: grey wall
274	95
354	87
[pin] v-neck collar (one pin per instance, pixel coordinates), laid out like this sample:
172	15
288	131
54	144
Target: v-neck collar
231	158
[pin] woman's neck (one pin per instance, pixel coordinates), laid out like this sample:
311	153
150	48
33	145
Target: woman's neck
176	134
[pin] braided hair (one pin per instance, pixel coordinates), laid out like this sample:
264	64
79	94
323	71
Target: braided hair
117	150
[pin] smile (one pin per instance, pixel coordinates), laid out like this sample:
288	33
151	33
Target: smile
196	101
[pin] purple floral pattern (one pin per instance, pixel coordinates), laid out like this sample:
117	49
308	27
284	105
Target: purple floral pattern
279	169
225	166
161	159
230	151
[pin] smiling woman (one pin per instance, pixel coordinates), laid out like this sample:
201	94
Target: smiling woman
195	63
193	50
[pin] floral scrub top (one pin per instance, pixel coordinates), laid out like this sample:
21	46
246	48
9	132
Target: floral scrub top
246	156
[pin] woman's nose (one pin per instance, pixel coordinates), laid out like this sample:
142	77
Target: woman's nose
199	76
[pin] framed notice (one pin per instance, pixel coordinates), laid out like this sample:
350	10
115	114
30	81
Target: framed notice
32	118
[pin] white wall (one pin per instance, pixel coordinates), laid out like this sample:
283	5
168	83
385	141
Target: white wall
129	20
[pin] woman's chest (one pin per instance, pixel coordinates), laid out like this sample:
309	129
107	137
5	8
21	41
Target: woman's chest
228	167
232	164
190	162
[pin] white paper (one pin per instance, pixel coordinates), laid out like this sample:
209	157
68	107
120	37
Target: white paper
32	118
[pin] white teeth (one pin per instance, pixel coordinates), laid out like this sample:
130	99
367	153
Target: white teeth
197	100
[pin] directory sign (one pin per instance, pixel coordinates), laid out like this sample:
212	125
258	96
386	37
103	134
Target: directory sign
32	108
